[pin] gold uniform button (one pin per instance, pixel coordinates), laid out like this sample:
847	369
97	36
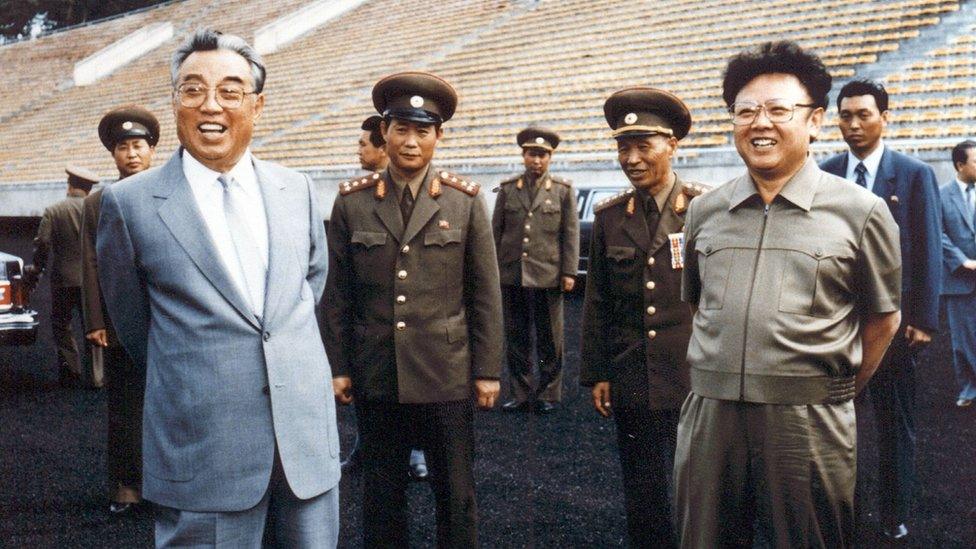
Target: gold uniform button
650	285
401	299
402	274
530	214
526	240
651	334
527	227
401	325
525	254
651	310
650	261
406	248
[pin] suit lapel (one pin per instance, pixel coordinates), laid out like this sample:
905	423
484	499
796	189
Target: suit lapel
423	209
388	211
959	199
181	216
885	177
635	226
279	242
670	221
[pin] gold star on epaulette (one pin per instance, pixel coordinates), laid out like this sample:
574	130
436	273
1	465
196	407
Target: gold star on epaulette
562	181
467	187
366	182
613	200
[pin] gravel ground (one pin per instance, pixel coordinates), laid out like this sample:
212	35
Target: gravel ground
547	481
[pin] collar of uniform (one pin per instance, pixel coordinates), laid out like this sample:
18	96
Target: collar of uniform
799	190
529	180
415	183
963	186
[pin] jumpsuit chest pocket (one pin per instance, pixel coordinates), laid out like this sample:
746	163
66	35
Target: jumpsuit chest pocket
550	214
714	268
368	239
814	282
369	251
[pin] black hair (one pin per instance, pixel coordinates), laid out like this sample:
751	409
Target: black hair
784	57
372	125
960	153
863	86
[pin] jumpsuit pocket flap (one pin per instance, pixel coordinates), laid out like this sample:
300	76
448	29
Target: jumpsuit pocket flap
368	239
456	332
442	237
621	253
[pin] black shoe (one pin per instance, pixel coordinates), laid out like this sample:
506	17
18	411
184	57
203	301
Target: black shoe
544	407
119	508
896	533
515	406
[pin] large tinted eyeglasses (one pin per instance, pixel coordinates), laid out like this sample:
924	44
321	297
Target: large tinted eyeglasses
228	96
777	111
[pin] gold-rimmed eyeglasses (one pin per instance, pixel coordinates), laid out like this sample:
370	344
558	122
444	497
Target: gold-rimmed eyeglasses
228	96
777	111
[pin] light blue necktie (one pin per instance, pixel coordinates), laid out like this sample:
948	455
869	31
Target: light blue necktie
252	266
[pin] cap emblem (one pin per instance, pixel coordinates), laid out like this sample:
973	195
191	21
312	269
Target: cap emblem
127	125
416	101
630	118
540	140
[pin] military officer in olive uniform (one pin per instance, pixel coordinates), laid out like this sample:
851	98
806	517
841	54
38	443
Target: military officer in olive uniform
635	327
412	315
536	229
130	134
59	236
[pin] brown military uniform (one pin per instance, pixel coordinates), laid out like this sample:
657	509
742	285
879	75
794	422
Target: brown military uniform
126	381
635	327
536	231
58	236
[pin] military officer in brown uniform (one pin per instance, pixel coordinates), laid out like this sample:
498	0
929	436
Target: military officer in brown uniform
412	310
635	328
536	229
130	134
59	236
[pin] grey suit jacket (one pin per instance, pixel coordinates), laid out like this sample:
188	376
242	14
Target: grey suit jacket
958	241
223	389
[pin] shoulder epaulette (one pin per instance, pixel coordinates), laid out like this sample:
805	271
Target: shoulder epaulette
688	191
365	182
562	180
613	200
451	180
504	182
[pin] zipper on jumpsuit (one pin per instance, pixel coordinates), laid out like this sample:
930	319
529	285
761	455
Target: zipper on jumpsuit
745	329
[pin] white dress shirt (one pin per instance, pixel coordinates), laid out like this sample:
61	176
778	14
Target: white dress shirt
209	195
871	164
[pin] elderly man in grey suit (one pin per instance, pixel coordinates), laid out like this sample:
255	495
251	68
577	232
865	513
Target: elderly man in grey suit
211	268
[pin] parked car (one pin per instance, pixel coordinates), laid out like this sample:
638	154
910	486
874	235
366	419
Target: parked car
586	198
18	322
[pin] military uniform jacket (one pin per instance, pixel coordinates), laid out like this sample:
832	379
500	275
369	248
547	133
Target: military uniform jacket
635	327
59	234
92	306
412	313
537	238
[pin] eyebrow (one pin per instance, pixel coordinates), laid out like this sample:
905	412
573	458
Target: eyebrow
237	79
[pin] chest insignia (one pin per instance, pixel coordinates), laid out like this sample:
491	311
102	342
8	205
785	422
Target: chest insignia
677	244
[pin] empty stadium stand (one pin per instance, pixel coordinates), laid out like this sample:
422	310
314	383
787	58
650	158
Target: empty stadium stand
514	62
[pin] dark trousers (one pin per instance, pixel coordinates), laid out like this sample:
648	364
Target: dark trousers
892	394
125	389
537	311
445	432
65	302
646	441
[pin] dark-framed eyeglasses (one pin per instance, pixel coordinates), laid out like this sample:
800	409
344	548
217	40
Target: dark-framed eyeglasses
777	111
228	96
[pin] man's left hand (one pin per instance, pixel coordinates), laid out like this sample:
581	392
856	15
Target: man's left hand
916	337
568	283
486	390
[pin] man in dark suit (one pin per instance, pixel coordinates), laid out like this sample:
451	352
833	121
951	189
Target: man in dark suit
536	230
635	327
413	323
959	267
130	134
909	188
58	238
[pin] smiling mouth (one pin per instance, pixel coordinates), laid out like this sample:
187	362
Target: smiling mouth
636	173
211	128
763	142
